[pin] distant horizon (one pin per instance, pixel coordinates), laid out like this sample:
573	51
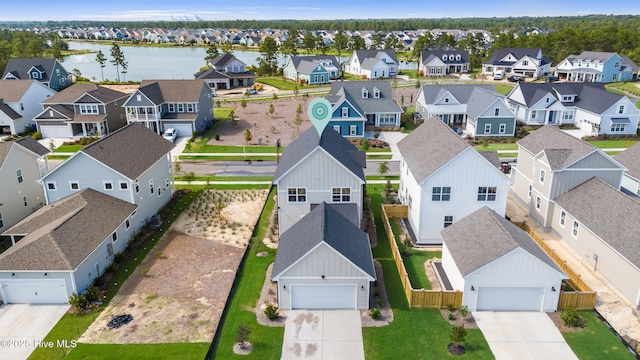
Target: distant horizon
291	10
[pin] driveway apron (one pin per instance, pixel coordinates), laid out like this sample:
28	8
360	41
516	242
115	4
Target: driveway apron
323	334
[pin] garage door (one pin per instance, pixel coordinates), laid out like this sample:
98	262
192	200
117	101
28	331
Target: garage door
52	131
183	130
51	291
323	297
510	299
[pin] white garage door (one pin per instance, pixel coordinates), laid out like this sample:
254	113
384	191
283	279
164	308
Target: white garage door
51	291
54	131
323	296
183	130
510	299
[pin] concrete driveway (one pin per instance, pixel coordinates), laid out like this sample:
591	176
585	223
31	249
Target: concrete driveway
23	326
323	334
523	335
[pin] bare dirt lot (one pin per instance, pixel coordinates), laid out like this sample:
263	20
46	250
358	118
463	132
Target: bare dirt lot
178	292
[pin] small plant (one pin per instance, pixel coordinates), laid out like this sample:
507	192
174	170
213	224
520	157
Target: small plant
376	135
159	254
464	311
271	311
217	137
150	297
117	258
144	271
571	317
92	294
364	145
375	313
112	268
451	308
78	302
379	302
242	336
452	317
457	336
36	135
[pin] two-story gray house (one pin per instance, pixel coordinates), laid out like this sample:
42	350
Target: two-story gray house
47	71
227	72
20	103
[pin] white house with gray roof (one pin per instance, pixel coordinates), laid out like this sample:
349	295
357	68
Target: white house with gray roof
443	179
324	261
595	66
498	266
132	164
319	69
63	247
524	61
630	158
589	106
315	169
600	224
443	62
372	64
20	103
552	162
478	109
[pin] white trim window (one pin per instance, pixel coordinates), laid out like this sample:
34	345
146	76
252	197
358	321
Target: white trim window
621	109
171	108
441	193
151	186
487	128
341	194
448	220
503	128
74	185
88	109
563	218
530	189
337	129
124	185
496	112
376	93
127	224
533	114
487	193
542	175
51	185
190	108
114	236
297	195
365	93
180	108
108	185
387	119
1	221
19	176
137	186
618	127
345	111
574	229
538	203
353	130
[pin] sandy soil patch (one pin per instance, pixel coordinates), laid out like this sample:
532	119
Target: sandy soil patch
128	88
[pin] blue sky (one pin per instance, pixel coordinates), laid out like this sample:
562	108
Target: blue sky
145	10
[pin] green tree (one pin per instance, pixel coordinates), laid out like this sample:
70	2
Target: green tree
226	47
458	334
309	41
392	42
356	43
243	103
212	52
268	60
101	59
272	110
290	45
383	168
321	47
377	41
247	136
117	58
364	145
340	43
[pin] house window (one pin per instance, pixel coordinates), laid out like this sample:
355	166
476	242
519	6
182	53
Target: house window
137	186
448	220
568	115
88	109
337	129
345	111
563	218
297	194
74	185
24	200
487	128
180	107
538	202
19	176
341	194
166	183
618	127
1	221
487	193
365	93
458	57
441	193
503	128
315	78
127	224
525	63
446	100
496	112
617	64
171	108
353	129
410	201
542	174
376	93
108	185
114	236
190	108
51	186
124	185
151	186
533	114
445	57
574	231
109	249
621	109
547	100
530	188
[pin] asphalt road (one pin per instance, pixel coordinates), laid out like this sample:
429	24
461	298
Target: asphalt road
261	168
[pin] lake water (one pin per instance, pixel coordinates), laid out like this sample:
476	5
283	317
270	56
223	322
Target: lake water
148	63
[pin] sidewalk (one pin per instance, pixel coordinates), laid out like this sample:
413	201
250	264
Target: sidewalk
618	312
249	182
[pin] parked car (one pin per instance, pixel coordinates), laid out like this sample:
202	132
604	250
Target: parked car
498	75
170	134
251	91
516	78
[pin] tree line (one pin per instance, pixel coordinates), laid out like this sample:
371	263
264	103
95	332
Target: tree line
25	44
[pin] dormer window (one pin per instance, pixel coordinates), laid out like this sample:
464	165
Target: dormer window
458	57
376	93
365	93
35	75
444	57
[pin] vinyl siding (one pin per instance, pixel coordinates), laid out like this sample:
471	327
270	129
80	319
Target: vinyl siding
38	275
284	295
630	184
451	269
495	126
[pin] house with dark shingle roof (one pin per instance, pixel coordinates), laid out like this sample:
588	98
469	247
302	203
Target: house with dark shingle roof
132	164
552	162
184	105
319	69
20	103
324	261
372	64
315	169
595	66
63	247
443	179
81	110
498	266
630	158
524	61
478	109
227	72
357	104
443	62
22	162
47	71
600	224
589	106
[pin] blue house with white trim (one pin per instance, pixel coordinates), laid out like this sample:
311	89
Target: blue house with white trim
312	70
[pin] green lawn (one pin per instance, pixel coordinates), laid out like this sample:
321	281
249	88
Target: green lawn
412	74
222	113
503	89
629	87
226	178
378	177
68	148
279	82
379	157
494	147
596	341
613	144
414	264
229	149
229	158
139	351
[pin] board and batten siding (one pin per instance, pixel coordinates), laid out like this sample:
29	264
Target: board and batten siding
451	269
517	269
318	173
630	183
464	193
623	275
410	189
495	122
361	284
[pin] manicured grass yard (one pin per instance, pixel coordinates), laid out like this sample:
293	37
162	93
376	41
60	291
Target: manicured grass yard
503	89
279	82
494	147
412	74
596	341
222	113
613	144
68	148
414	264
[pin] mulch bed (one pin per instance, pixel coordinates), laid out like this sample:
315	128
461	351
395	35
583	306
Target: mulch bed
559	323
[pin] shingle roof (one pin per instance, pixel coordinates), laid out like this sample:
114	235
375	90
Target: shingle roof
368	58
61	235
561	149
352	91
630	158
210	73
21	67
592	97
27	143
518	53
332	142
610	214
461	92
324	224
430	146
7	110
75	91
130	150
223	60
427	54
484	236
492	157
306	64
13	90
162	91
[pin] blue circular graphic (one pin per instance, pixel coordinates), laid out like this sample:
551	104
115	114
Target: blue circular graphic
320	110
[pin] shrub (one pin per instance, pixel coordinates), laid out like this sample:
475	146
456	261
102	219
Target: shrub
36	135
451	316
379	302
572	318
451	308
458	334
117	258
78	302
242	336
112	268
271	311
464	311
217	137
375	313
376	135
93	294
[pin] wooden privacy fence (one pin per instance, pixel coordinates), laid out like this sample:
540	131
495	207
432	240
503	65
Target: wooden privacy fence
583	298
417	298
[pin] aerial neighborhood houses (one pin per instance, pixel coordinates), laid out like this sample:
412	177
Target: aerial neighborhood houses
372	64
226	72
524	61
312	70
630	158
592	66
20	103
443	62
47	71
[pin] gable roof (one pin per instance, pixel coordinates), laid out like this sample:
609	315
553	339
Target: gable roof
130	150
462	93
599	56
210	73
560	148
162	91
607	212
430	146
332	142
8	110
26	142
630	158
223	60
306	64
324	224
13	90
61	235
368	58
484	236
19	68
592	97
75	91
428	55
352	91
518	53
